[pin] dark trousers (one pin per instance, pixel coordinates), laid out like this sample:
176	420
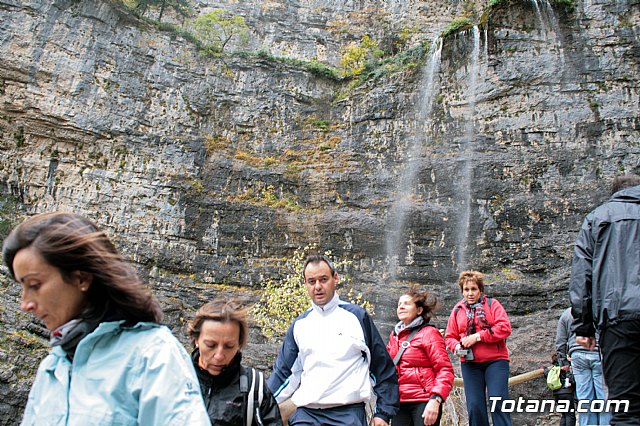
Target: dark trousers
352	415
567	419
410	414
482	379
620	345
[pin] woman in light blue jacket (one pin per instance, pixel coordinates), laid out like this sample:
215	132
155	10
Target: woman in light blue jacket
111	362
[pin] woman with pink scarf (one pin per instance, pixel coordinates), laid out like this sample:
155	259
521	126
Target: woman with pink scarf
476	332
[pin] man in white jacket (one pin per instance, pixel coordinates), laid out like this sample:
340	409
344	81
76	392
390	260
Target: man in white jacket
330	357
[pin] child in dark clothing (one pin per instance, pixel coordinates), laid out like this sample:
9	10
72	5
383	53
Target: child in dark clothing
566	392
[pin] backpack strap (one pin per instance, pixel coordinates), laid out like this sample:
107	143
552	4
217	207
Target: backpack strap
250	401
405	344
244	390
256	390
259	396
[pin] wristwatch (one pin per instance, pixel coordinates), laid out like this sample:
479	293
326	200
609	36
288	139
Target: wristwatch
477	338
437	398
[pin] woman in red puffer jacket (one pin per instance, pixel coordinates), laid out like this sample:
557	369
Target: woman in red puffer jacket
425	373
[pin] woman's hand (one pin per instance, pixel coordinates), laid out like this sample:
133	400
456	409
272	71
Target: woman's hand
430	414
468	341
457	348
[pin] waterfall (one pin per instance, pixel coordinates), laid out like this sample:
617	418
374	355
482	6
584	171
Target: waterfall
466	157
545	14
542	21
405	193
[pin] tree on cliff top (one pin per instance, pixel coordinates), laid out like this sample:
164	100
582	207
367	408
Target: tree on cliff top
356	57
217	28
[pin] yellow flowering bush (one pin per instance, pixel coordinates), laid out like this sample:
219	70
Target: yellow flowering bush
285	298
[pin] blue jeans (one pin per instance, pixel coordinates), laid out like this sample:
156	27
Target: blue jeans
587	370
482	379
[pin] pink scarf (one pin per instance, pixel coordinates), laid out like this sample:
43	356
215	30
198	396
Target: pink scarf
476	310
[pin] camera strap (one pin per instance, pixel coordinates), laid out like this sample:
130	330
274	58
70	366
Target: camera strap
404	345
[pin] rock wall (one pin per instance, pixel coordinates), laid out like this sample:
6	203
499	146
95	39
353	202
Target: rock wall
209	171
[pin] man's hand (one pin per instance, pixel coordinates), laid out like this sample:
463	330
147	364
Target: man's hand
587	342
377	421
287	408
430	414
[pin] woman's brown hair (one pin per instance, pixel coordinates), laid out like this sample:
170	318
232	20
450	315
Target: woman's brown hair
71	242
473	276
426	300
221	310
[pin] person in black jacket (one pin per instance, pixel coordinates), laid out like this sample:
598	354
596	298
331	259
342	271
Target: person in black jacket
234	395
605	292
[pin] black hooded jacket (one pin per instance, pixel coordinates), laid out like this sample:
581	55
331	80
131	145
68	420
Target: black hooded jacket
605	274
223	399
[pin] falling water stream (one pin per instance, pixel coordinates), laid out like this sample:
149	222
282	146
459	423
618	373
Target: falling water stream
406	190
466	157
405	195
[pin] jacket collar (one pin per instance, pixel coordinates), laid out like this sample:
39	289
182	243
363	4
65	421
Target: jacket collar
86	344
417	322
224	378
330	306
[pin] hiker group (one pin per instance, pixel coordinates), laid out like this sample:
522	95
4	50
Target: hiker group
113	363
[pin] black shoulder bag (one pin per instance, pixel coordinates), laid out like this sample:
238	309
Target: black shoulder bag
404	345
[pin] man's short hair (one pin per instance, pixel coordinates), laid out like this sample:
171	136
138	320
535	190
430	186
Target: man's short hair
318	258
623	182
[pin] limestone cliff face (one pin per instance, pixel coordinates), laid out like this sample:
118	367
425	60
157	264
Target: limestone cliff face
206	171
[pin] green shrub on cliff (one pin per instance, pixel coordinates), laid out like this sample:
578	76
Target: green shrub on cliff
569	5
217	28
285	298
457	24
9	215
356	57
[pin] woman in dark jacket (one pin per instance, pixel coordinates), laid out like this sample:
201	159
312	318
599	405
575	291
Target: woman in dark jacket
425	373
233	395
